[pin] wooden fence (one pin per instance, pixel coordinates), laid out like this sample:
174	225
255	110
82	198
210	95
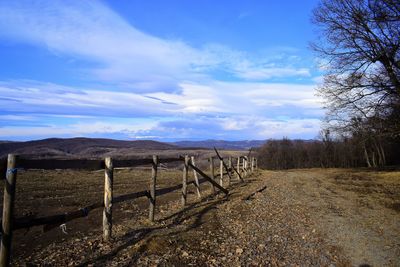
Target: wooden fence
9	168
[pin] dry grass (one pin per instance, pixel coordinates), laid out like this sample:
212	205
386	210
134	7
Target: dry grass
44	193
303	216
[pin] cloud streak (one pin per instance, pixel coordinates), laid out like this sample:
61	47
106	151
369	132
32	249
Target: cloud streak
212	98
199	127
122	53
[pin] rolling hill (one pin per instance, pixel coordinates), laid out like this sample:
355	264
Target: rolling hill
79	147
98	147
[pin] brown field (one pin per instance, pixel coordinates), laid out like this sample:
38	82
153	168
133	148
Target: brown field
307	217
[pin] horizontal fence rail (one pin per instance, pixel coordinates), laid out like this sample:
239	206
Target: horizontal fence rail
76	164
10	167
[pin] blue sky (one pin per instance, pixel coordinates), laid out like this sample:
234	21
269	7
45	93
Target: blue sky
164	70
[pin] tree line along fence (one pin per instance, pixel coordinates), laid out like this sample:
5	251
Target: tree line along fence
9	168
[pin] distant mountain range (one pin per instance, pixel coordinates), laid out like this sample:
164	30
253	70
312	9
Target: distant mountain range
221	144
97	147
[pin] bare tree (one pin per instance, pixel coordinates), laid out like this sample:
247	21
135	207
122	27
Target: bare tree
360	47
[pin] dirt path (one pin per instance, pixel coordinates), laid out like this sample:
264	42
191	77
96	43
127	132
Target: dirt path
357	211
299	218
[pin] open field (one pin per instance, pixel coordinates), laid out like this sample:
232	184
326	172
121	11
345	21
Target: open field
302	217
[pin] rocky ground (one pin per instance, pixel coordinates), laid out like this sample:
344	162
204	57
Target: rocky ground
285	218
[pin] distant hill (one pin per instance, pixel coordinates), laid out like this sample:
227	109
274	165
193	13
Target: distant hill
221	144
80	147
5	141
99	148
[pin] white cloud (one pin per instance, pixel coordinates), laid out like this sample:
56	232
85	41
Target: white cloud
17	117
212	97
47	98
266	73
250	67
235	127
77	129
246	98
91	30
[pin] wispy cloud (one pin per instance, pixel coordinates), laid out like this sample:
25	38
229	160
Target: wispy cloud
266	73
276	64
227	127
212	97
48	98
122	53
125	129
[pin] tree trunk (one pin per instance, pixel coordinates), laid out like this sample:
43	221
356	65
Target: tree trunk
373	159
366	156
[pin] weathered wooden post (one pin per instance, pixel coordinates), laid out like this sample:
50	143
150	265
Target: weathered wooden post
108	197
221	172
252	164
244	167
229	170
256	164
212	171
8	210
247	166
153	183
196	179
184	180
238	168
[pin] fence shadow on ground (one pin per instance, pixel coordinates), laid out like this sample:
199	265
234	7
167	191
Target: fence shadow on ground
195	211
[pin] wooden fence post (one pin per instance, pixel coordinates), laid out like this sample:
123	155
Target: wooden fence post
247	166
8	210
153	182
256	164
196	179
244	167
252	164
238	168
108	196
229	170
212	171
221	172
184	180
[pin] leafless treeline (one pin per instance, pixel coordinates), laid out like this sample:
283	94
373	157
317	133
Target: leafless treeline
327	153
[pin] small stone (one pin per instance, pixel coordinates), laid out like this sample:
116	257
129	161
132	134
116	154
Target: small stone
239	251
185	254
